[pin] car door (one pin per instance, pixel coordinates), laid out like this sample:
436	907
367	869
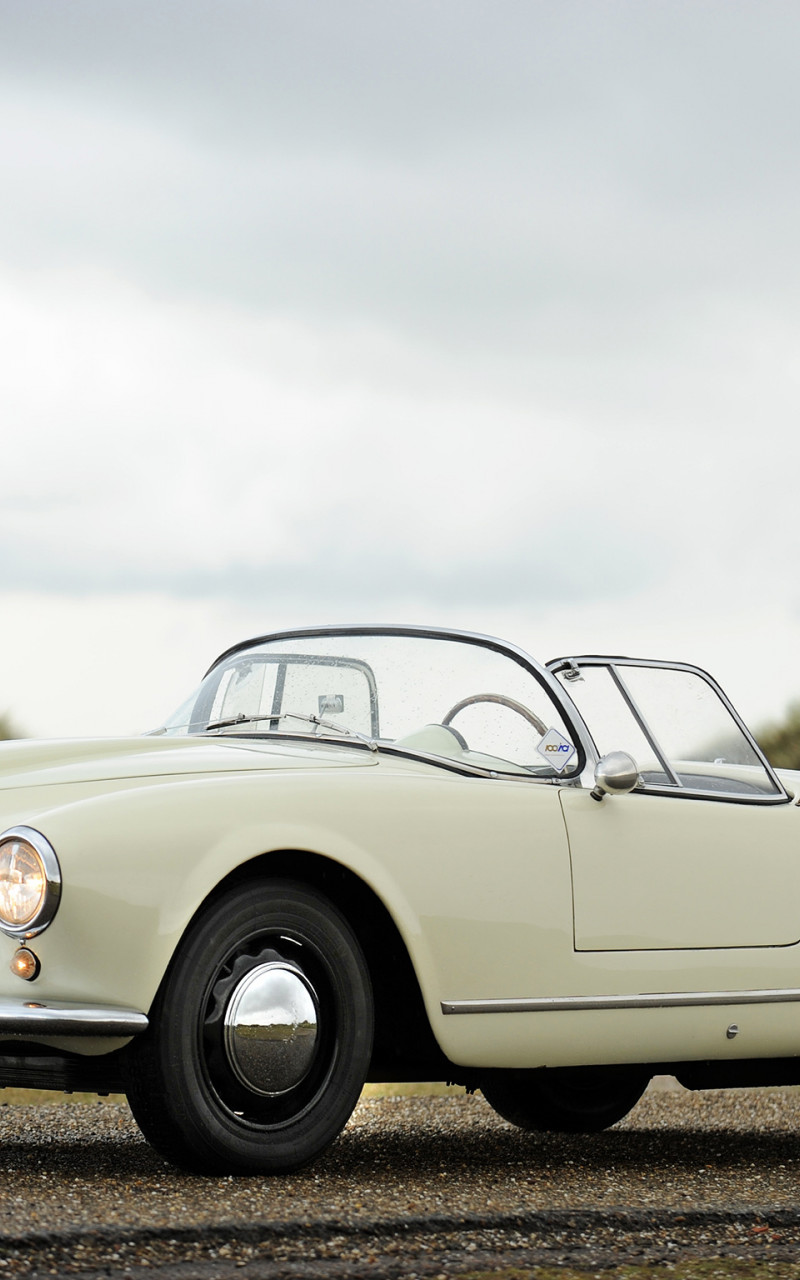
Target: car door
703	853
651	872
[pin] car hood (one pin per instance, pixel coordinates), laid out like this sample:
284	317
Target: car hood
39	764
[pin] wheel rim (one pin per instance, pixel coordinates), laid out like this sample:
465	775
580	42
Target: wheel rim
268	1037
271	1028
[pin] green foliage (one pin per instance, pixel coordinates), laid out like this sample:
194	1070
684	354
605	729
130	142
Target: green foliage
781	742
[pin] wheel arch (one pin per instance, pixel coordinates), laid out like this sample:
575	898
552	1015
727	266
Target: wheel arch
405	1046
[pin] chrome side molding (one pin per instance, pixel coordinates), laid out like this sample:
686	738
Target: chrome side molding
648	1000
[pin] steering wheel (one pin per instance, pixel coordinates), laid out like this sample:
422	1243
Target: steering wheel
500	698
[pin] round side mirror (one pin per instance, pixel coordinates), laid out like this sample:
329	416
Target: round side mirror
614	775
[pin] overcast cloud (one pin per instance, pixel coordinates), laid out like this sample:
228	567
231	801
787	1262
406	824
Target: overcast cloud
485	314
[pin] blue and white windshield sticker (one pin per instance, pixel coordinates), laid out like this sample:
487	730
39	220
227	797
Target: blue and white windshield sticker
556	749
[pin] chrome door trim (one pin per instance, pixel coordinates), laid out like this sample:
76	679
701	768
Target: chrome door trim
648	1000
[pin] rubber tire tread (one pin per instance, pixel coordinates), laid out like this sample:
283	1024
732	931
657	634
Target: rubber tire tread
546	1101
163	1073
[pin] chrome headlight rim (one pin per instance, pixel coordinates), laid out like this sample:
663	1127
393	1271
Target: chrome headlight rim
52	889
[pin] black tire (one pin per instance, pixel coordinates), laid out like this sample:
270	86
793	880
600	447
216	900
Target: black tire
565	1099
208	1090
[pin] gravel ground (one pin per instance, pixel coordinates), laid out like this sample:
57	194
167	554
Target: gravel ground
415	1186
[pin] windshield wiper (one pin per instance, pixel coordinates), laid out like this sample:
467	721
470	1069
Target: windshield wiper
317	721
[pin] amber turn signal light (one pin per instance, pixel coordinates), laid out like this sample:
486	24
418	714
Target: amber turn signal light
25	964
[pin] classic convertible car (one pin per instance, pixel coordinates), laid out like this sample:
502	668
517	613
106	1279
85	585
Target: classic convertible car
399	853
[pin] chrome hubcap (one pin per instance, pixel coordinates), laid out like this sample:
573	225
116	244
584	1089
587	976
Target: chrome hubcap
271	1027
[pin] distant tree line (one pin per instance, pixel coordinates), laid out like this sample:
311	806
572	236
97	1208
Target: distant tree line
781	742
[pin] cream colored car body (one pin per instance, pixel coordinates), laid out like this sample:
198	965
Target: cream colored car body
495	866
501	890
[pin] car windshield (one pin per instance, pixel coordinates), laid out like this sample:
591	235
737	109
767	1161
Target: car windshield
473	703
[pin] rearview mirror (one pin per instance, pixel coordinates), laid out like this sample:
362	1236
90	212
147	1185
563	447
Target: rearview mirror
614	775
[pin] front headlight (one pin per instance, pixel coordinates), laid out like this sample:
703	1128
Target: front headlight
30	882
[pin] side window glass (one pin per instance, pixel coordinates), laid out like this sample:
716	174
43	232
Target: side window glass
696	731
674	724
611	721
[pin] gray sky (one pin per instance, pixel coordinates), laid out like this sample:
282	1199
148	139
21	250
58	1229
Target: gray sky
478	313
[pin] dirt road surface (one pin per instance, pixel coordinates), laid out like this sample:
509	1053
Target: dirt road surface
415	1187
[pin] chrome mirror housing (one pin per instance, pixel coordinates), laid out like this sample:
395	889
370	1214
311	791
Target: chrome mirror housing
614	775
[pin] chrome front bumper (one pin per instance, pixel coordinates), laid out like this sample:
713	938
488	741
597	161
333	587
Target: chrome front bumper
63	1018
